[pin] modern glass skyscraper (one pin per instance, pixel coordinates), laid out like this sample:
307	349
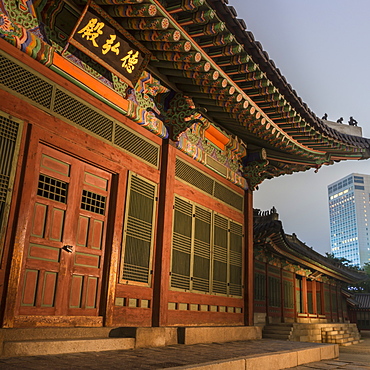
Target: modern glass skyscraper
349	208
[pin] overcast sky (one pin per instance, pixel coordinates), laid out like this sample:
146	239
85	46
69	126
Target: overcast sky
322	47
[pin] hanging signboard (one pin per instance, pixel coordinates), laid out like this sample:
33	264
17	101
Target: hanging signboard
104	40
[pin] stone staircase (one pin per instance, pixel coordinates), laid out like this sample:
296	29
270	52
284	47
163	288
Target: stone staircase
343	334
278	331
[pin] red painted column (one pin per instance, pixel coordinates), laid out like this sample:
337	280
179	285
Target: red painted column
248	260
164	235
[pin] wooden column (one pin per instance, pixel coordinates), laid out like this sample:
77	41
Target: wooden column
164	235
304	295
248	260
114	232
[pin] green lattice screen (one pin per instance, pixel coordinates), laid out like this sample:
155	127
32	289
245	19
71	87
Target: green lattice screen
139	230
220	254
206	251
235	260
310	302
288	294
318	302
10	132
202	249
327	304
274	292
334	305
207	184
298	294
259	286
182	244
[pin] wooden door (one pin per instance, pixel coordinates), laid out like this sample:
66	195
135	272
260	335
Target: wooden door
64	252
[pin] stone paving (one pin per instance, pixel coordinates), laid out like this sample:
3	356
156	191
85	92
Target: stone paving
355	357
333	364
176	356
153	358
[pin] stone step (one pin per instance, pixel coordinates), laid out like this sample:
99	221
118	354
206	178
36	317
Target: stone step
350	343
343	340
275	336
51	347
307	332
59	333
269	329
38	341
338	336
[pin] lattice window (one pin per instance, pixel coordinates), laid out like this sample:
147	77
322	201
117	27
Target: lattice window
137	145
138	239
288	294
198	264
207	184
310	302
318	302
83	115
274	291
202	249
93	202
10	133
334	305
298	292
235	260
259	286
23	82
52	189
327	298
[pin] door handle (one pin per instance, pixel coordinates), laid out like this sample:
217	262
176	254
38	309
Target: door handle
68	248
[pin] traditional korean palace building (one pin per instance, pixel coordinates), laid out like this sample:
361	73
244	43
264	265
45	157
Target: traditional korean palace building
295	284
359	310
132	136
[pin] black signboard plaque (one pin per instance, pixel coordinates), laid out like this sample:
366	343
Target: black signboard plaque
104	40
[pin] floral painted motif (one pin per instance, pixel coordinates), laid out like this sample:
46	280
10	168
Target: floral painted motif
5	24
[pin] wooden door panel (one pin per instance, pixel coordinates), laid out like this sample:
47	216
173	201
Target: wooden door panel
42	254
83	294
89	243
31	278
65	249
75	298
92	285
49	289
96	237
82	231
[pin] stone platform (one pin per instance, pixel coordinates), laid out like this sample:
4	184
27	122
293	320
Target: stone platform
260	354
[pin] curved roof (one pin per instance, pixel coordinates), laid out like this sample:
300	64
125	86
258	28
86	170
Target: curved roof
202	50
362	300
269	232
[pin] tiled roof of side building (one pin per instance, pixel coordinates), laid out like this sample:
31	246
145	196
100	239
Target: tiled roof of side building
363	300
267	227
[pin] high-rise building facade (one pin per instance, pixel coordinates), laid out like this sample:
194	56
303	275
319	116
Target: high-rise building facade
349	207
